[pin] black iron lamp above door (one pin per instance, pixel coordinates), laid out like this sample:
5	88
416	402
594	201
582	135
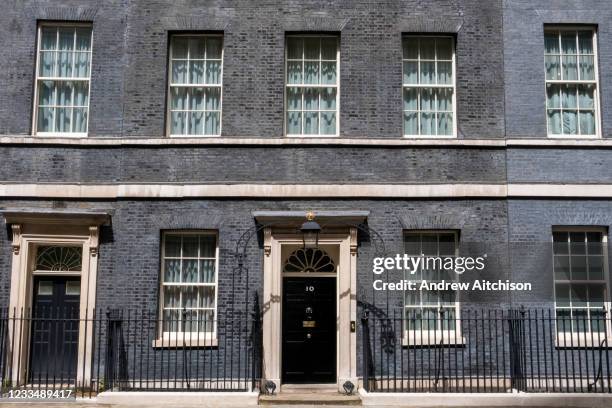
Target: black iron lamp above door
310	231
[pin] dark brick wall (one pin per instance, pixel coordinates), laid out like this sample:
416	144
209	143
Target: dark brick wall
524	58
567	165
252	164
130	55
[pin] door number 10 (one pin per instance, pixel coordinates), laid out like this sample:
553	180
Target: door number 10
310	288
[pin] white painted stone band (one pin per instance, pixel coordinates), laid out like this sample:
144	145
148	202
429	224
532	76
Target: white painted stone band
114	191
300	141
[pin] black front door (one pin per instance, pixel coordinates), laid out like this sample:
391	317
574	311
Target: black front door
55	329
309	330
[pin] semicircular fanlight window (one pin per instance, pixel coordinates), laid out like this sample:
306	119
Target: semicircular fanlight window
59	258
309	260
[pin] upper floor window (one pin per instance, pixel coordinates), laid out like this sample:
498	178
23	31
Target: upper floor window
189	282
63	72
429	86
195	85
312	89
570	60
580	265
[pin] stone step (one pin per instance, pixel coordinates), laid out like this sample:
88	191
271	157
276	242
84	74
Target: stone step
313	397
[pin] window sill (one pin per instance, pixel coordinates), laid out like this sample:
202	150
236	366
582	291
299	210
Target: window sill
575	137
433	339
186	343
194	136
583	341
55	134
311	136
429	136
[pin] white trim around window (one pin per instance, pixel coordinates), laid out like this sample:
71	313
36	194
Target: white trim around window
63	78
441	333
312	96
572	102
581	285
195	85
429	86
188	284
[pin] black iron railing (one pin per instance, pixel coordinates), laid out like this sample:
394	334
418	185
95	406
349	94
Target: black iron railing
45	351
486	351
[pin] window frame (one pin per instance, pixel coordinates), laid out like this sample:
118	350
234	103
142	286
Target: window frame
180	338
559	28
453	86
37	78
169	84
287	85
573	338
432	337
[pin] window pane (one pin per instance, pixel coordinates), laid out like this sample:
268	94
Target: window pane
213	98
562	296
46	119
180	46
196	72
213	72
428	50
328	75
551	43
552	67
81	68
570	122
597	295
445	99
172	246
577	243
214	47
445	124
328	123
570	68
179	72
311	99
172	296
63	119
47	63
294	72
586	95
294	48
411	69
189	297
568	42
328	98
578	295
294	99
64	64
562	267
178	120
587	68
411	123
445	73
595	242
312	48
411	48
294	123
587	123
48	39
569	97
190	245
178	99
579	268
311	123
328	48
46	93
172	270
428	72
207	271
206	296
213	120
83	39
585	42
445	48
80	120
311	72
553	98
596	267
196	123
410	99
554	122
428	123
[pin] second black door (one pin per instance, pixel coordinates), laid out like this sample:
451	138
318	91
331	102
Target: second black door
55	329
309	330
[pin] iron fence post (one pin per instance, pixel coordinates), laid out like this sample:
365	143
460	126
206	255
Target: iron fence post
365	341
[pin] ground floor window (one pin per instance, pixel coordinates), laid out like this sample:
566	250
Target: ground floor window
431	310
189	282
580	272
